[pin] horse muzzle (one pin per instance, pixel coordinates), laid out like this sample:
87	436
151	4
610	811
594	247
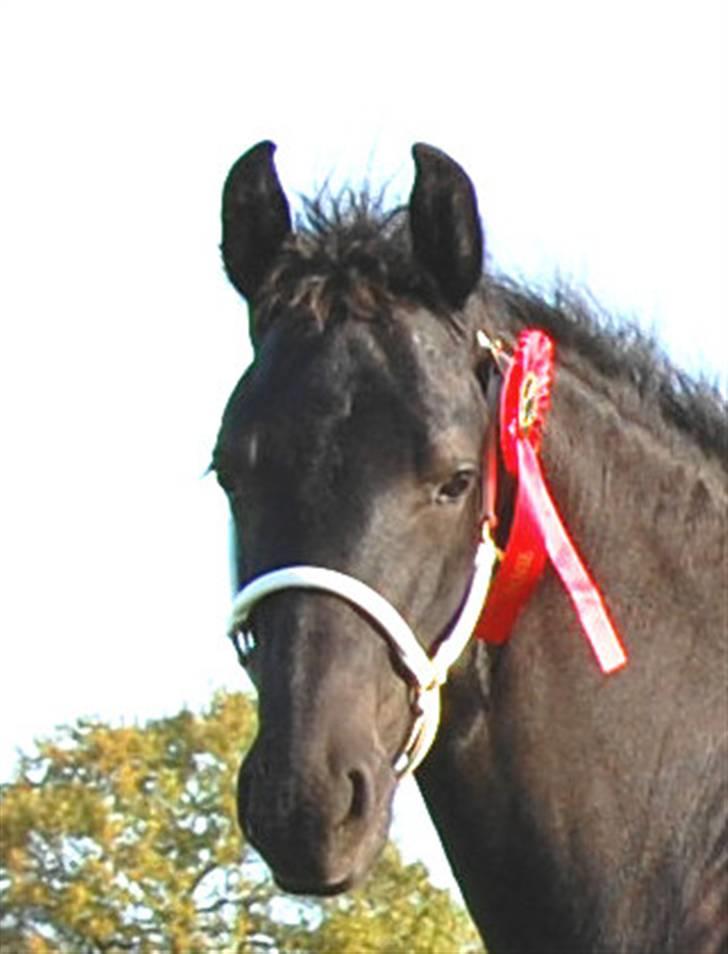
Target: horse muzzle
319	810
321	824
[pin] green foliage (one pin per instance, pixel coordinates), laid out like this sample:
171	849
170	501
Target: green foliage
124	839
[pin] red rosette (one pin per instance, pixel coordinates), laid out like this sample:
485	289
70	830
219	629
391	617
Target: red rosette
526	395
538	532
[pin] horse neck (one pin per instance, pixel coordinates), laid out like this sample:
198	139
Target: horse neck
642	501
535	738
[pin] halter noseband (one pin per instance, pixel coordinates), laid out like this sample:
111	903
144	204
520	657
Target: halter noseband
425	673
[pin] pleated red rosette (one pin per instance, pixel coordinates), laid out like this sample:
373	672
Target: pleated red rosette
538	532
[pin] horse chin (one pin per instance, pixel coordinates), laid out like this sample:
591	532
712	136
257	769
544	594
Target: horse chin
335	881
323	868
328	877
321	889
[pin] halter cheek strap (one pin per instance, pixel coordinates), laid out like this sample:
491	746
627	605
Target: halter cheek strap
425	673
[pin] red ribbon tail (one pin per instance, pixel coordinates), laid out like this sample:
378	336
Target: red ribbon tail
584	593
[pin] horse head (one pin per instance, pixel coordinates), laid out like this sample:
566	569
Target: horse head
354	444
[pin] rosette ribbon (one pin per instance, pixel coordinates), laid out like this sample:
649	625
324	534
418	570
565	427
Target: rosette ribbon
538	532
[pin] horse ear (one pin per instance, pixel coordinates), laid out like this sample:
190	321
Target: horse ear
255	219
446	235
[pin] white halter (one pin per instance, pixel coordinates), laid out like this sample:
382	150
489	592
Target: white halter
427	673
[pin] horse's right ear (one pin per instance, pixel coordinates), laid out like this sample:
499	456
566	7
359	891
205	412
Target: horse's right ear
255	219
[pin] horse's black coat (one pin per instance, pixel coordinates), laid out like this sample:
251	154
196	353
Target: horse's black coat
580	813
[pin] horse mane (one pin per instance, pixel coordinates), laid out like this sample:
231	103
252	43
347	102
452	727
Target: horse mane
618	349
349	256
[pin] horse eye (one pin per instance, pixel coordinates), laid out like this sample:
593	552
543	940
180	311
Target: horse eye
457	486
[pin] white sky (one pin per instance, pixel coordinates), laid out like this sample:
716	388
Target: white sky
595	134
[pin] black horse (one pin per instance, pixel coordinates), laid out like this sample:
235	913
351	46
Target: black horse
580	811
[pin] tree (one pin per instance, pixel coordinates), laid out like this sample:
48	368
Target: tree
118	839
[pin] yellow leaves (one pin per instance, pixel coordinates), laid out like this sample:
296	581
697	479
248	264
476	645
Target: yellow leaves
38	945
125	838
34	894
75	899
127	781
100	927
15	860
111	748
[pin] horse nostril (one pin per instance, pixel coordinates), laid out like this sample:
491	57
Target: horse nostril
360	795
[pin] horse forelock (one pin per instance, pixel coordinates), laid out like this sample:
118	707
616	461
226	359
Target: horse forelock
348	257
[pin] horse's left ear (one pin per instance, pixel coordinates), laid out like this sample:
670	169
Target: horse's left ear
255	219
446	235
